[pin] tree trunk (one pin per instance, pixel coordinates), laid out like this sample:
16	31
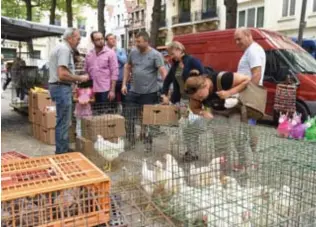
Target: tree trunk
28	5
69	13
52	15
101	22
231	13
155	21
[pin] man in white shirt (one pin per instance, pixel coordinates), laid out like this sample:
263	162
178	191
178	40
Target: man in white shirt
253	61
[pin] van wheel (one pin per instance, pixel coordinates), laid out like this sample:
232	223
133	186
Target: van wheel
300	108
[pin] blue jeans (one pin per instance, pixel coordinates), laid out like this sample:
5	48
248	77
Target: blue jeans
62	96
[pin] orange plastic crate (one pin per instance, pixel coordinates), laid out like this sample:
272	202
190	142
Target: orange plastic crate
57	190
12	156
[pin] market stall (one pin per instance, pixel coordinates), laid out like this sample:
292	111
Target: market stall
25	77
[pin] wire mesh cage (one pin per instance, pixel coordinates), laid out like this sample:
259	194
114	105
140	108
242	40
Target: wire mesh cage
195	172
24	78
63	190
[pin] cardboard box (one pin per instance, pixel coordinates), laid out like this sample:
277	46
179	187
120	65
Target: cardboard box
72	133
36	131
32	115
42	100
108	126
48	119
48	136
38	117
160	115
86	147
31	99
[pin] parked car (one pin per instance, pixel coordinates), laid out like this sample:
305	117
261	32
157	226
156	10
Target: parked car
284	57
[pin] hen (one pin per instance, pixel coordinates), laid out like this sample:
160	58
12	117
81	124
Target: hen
108	150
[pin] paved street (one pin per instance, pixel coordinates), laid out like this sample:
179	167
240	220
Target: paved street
16	131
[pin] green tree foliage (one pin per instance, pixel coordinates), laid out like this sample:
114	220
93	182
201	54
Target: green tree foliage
17	8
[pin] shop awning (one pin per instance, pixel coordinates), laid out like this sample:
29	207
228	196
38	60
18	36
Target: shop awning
22	30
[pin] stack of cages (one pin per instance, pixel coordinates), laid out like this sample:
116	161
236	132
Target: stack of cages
173	168
23	78
62	190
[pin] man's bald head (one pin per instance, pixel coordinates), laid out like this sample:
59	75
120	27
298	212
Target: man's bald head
243	38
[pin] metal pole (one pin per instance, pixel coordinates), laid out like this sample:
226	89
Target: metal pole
302	23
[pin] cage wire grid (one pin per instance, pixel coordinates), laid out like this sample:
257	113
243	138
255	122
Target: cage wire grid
64	190
237	175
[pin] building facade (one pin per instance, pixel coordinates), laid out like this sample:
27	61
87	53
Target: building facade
116	19
282	16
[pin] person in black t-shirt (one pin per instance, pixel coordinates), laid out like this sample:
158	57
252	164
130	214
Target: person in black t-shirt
203	91
204	94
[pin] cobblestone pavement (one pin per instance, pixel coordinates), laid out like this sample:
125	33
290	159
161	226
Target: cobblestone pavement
16	131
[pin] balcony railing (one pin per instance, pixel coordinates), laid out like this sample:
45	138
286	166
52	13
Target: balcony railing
183	17
137	24
205	14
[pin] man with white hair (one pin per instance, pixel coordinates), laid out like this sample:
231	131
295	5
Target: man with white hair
61	78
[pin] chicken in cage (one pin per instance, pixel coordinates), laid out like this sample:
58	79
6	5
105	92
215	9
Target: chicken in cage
275	189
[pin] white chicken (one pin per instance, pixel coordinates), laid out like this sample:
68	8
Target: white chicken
205	175
151	178
174	175
283	201
200	177
108	150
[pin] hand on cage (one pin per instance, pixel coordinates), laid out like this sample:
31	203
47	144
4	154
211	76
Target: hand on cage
164	100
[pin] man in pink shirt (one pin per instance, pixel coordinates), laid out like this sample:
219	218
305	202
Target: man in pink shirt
102	66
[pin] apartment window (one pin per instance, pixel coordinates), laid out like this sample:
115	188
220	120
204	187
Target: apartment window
251	13
57	20
143	15
137	16
184	5
123	41
208	5
81	22
260	17
253	17
314	6
163	12
36	54
242	18
288	8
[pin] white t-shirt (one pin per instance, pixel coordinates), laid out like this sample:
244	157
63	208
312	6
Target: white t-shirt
254	56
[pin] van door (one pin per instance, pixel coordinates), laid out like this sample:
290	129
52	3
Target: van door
276	71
